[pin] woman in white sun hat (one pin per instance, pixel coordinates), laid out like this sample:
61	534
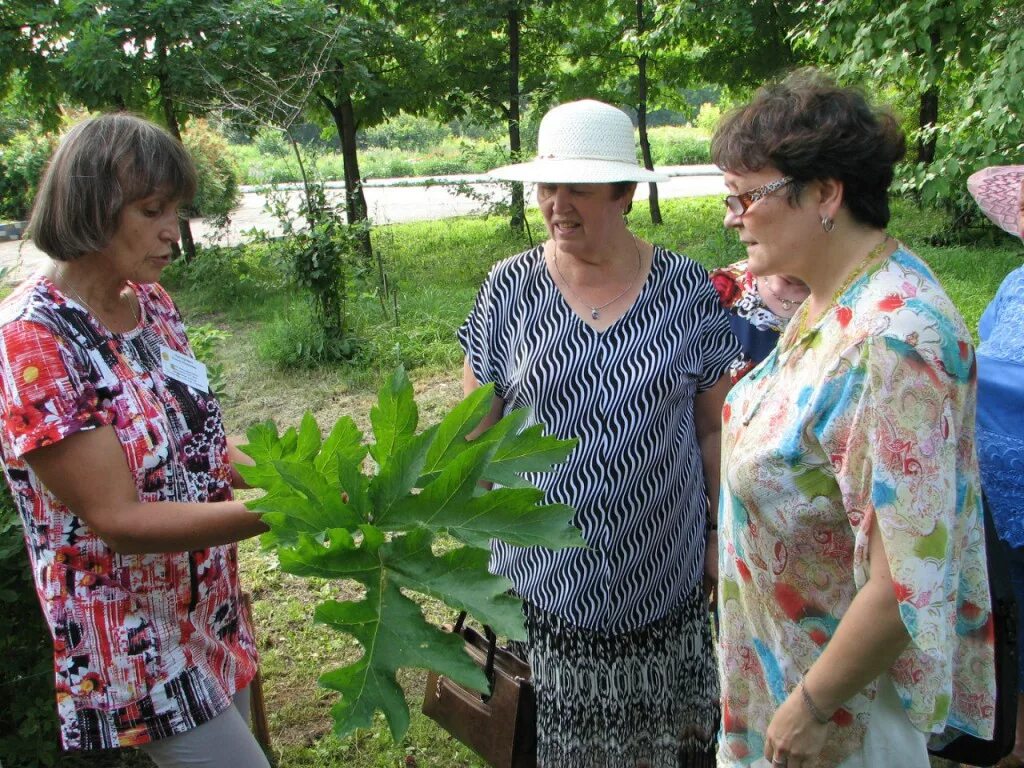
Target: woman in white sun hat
999	192
624	346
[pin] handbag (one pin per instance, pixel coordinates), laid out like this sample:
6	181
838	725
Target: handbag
967	749
500	726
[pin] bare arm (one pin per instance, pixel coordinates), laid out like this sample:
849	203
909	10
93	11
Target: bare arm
469	383
707	412
235	456
869	638
88	472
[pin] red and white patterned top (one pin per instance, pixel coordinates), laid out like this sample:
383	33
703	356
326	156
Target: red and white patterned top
145	646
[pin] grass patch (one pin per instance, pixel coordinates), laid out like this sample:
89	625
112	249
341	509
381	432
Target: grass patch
436	268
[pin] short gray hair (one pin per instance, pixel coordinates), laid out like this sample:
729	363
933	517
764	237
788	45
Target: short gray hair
101	165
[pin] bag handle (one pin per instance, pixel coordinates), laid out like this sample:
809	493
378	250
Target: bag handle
492	644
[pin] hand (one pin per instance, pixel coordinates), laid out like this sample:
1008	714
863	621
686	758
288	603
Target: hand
794	736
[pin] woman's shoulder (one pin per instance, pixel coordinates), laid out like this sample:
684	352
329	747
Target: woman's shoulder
32	300
904	305
1011	290
677	265
510	273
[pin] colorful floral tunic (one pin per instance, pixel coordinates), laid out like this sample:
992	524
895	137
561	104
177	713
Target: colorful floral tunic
755	326
867	420
145	646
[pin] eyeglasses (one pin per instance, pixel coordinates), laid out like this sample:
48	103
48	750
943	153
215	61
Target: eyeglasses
738	204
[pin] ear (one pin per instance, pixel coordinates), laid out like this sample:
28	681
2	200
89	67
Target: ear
627	199
830	195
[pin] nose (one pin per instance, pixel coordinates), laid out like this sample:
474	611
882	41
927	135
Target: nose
560	198
169	230
732	220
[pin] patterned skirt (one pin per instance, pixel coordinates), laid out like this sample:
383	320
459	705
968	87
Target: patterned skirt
647	698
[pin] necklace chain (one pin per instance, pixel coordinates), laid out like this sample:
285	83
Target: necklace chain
804	313
67	288
595	312
787	304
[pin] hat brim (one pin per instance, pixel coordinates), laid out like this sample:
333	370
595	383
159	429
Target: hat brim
550	171
999	192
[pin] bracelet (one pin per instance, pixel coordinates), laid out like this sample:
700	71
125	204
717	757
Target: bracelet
819	716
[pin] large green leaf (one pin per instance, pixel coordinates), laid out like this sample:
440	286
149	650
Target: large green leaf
394	418
418	522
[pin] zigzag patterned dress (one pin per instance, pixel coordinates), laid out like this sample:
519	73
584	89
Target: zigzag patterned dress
618	634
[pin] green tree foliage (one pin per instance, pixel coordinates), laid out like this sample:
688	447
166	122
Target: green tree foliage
386	530
217	192
957	69
505	58
22	160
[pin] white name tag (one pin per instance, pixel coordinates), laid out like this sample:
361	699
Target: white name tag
183	368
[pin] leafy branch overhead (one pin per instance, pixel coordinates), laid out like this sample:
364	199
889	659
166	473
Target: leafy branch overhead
331	518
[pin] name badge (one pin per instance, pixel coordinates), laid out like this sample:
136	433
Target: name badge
183	368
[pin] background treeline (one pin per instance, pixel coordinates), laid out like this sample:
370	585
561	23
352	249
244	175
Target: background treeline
467	80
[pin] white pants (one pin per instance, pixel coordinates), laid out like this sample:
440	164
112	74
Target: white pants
224	742
891	740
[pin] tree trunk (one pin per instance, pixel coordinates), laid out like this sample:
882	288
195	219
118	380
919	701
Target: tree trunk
928	114
514	139
188	245
343	113
641	116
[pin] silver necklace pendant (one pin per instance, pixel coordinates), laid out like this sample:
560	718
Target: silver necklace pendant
594	313
786	304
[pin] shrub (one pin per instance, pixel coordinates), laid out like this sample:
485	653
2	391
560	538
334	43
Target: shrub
226	276
406	132
297	339
218	192
679	146
204	339
21	164
28	720
708	118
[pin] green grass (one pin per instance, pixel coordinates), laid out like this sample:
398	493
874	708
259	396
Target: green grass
436	268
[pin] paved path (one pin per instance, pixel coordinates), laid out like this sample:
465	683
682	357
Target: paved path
389	201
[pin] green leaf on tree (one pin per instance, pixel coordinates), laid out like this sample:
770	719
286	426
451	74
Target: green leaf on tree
417	520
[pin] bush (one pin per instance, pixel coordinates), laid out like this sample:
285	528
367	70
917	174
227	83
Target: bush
28	719
218	192
679	146
708	118
220	277
406	132
297	339
21	164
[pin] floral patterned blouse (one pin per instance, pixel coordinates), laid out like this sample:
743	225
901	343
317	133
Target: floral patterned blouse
866	420
145	646
755	326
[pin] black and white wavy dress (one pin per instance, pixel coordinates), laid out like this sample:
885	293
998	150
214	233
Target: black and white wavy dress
635	479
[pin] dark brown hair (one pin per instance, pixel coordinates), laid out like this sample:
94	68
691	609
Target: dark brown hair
100	166
810	128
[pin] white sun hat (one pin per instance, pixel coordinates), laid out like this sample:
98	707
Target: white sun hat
582	142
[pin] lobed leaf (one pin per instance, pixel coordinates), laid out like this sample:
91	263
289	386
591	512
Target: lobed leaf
330	518
394	418
394	634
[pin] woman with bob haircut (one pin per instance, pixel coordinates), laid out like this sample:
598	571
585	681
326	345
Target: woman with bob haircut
623	345
853	593
115	452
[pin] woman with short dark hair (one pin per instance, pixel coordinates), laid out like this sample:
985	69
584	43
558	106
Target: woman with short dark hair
853	594
115	451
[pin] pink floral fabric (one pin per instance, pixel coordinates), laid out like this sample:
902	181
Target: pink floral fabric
145	646
865	421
